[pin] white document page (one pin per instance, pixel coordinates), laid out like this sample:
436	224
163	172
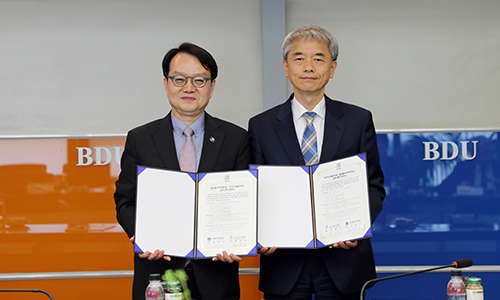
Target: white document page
285	216
227	213
341	201
165	212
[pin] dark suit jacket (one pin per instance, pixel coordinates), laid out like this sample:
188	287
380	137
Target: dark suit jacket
152	145
349	130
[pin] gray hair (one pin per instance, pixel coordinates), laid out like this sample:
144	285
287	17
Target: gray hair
311	32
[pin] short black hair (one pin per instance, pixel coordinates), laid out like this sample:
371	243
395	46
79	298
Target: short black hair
206	59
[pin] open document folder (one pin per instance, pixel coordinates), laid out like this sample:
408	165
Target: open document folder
196	215
313	206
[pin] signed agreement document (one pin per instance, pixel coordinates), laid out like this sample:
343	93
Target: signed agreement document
196	215
313	206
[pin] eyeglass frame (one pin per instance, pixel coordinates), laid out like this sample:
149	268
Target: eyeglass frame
192	80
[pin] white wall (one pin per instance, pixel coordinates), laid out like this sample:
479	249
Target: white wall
81	67
414	63
94	67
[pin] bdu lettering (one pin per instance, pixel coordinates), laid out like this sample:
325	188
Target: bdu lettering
431	150
103	156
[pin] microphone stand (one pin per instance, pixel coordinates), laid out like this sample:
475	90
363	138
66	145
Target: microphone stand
30	291
401	275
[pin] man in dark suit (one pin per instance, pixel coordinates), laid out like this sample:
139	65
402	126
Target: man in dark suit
190	73
279	137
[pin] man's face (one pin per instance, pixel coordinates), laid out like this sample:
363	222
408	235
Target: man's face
309	67
188	102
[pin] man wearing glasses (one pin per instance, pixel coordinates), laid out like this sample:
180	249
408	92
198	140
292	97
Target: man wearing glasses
190	73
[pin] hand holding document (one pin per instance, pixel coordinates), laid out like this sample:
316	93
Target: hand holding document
202	215
313	206
196	215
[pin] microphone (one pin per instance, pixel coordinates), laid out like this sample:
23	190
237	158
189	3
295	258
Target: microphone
458	264
462	263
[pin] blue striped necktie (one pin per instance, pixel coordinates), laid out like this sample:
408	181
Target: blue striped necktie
309	145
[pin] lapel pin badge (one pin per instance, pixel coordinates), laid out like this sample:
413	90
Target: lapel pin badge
212	139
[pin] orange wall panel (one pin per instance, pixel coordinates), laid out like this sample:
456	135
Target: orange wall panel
57	214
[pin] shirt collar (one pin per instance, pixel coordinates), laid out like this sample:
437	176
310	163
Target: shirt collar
298	110
198	126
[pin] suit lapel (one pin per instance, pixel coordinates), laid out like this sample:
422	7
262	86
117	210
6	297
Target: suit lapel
334	129
285	130
212	144
163	138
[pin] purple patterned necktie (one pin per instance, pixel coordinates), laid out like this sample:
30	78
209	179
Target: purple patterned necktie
187	159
